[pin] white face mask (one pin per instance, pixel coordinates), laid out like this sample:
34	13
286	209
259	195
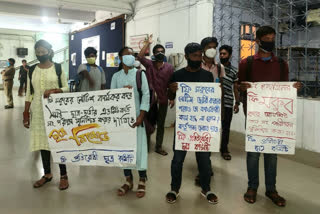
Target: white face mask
211	53
137	64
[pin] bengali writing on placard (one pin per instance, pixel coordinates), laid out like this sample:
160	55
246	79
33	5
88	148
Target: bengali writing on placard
271	117
86	128
198	117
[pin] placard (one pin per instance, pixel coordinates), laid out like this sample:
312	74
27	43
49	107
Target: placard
198	117
92	128
271	117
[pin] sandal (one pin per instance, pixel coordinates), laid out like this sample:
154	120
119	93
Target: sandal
141	191
250	196
210	196
43	180
64	183
276	198
172	197
161	152
125	188
226	155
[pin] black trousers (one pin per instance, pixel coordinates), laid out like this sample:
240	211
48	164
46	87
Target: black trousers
226	123
45	156
23	82
204	166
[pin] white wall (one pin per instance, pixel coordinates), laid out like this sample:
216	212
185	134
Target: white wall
180	22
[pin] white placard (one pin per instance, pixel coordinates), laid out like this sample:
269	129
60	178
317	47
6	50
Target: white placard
94	42
271	118
113	26
74	59
198	117
103	55
92	128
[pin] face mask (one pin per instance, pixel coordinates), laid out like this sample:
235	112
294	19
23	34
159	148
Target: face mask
128	60
159	57
8	63
266	58
91	60
267	46
43	58
211	53
224	60
136	64
194	64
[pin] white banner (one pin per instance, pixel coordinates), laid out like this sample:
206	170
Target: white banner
271	118
92	128
198	117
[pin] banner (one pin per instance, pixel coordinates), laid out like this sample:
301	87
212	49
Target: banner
92	128
198	117
271	118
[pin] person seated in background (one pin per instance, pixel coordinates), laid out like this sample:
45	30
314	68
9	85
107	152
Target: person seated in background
92	76
23	74
158	74
192	73
127	78
7	78
230	87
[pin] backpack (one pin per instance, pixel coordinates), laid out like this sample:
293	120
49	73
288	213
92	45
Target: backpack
219	71
243	95
79	78
58	72
150	119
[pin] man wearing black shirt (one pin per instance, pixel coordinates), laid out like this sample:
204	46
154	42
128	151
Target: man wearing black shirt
23	74
192	73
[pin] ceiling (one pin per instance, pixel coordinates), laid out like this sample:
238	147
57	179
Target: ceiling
57	15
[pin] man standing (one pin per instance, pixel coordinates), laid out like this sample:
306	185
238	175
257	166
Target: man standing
158	74
262	67
23	74
92	76
7	78
192	73
230	87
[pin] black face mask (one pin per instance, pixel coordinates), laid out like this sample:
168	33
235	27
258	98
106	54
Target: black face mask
224	60
159	57
194	64
43	58
267	46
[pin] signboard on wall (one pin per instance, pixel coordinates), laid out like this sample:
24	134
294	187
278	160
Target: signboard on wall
137	43
94	42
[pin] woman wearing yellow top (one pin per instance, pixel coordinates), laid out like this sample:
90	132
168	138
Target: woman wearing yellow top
44	82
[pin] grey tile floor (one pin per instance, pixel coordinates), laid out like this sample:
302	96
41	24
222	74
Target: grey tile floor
93	189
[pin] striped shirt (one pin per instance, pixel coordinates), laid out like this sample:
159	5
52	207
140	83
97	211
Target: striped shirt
228	81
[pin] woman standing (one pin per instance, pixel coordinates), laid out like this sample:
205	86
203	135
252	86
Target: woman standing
45	80
126	78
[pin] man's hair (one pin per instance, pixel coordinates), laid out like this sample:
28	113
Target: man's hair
156	47
44	44
264	30
227	48
24	61
192	48
12	61
90	50
208	40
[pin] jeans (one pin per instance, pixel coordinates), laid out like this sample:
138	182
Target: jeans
270	170
204	166
23	82
226	123
161	118
45	156
128	173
